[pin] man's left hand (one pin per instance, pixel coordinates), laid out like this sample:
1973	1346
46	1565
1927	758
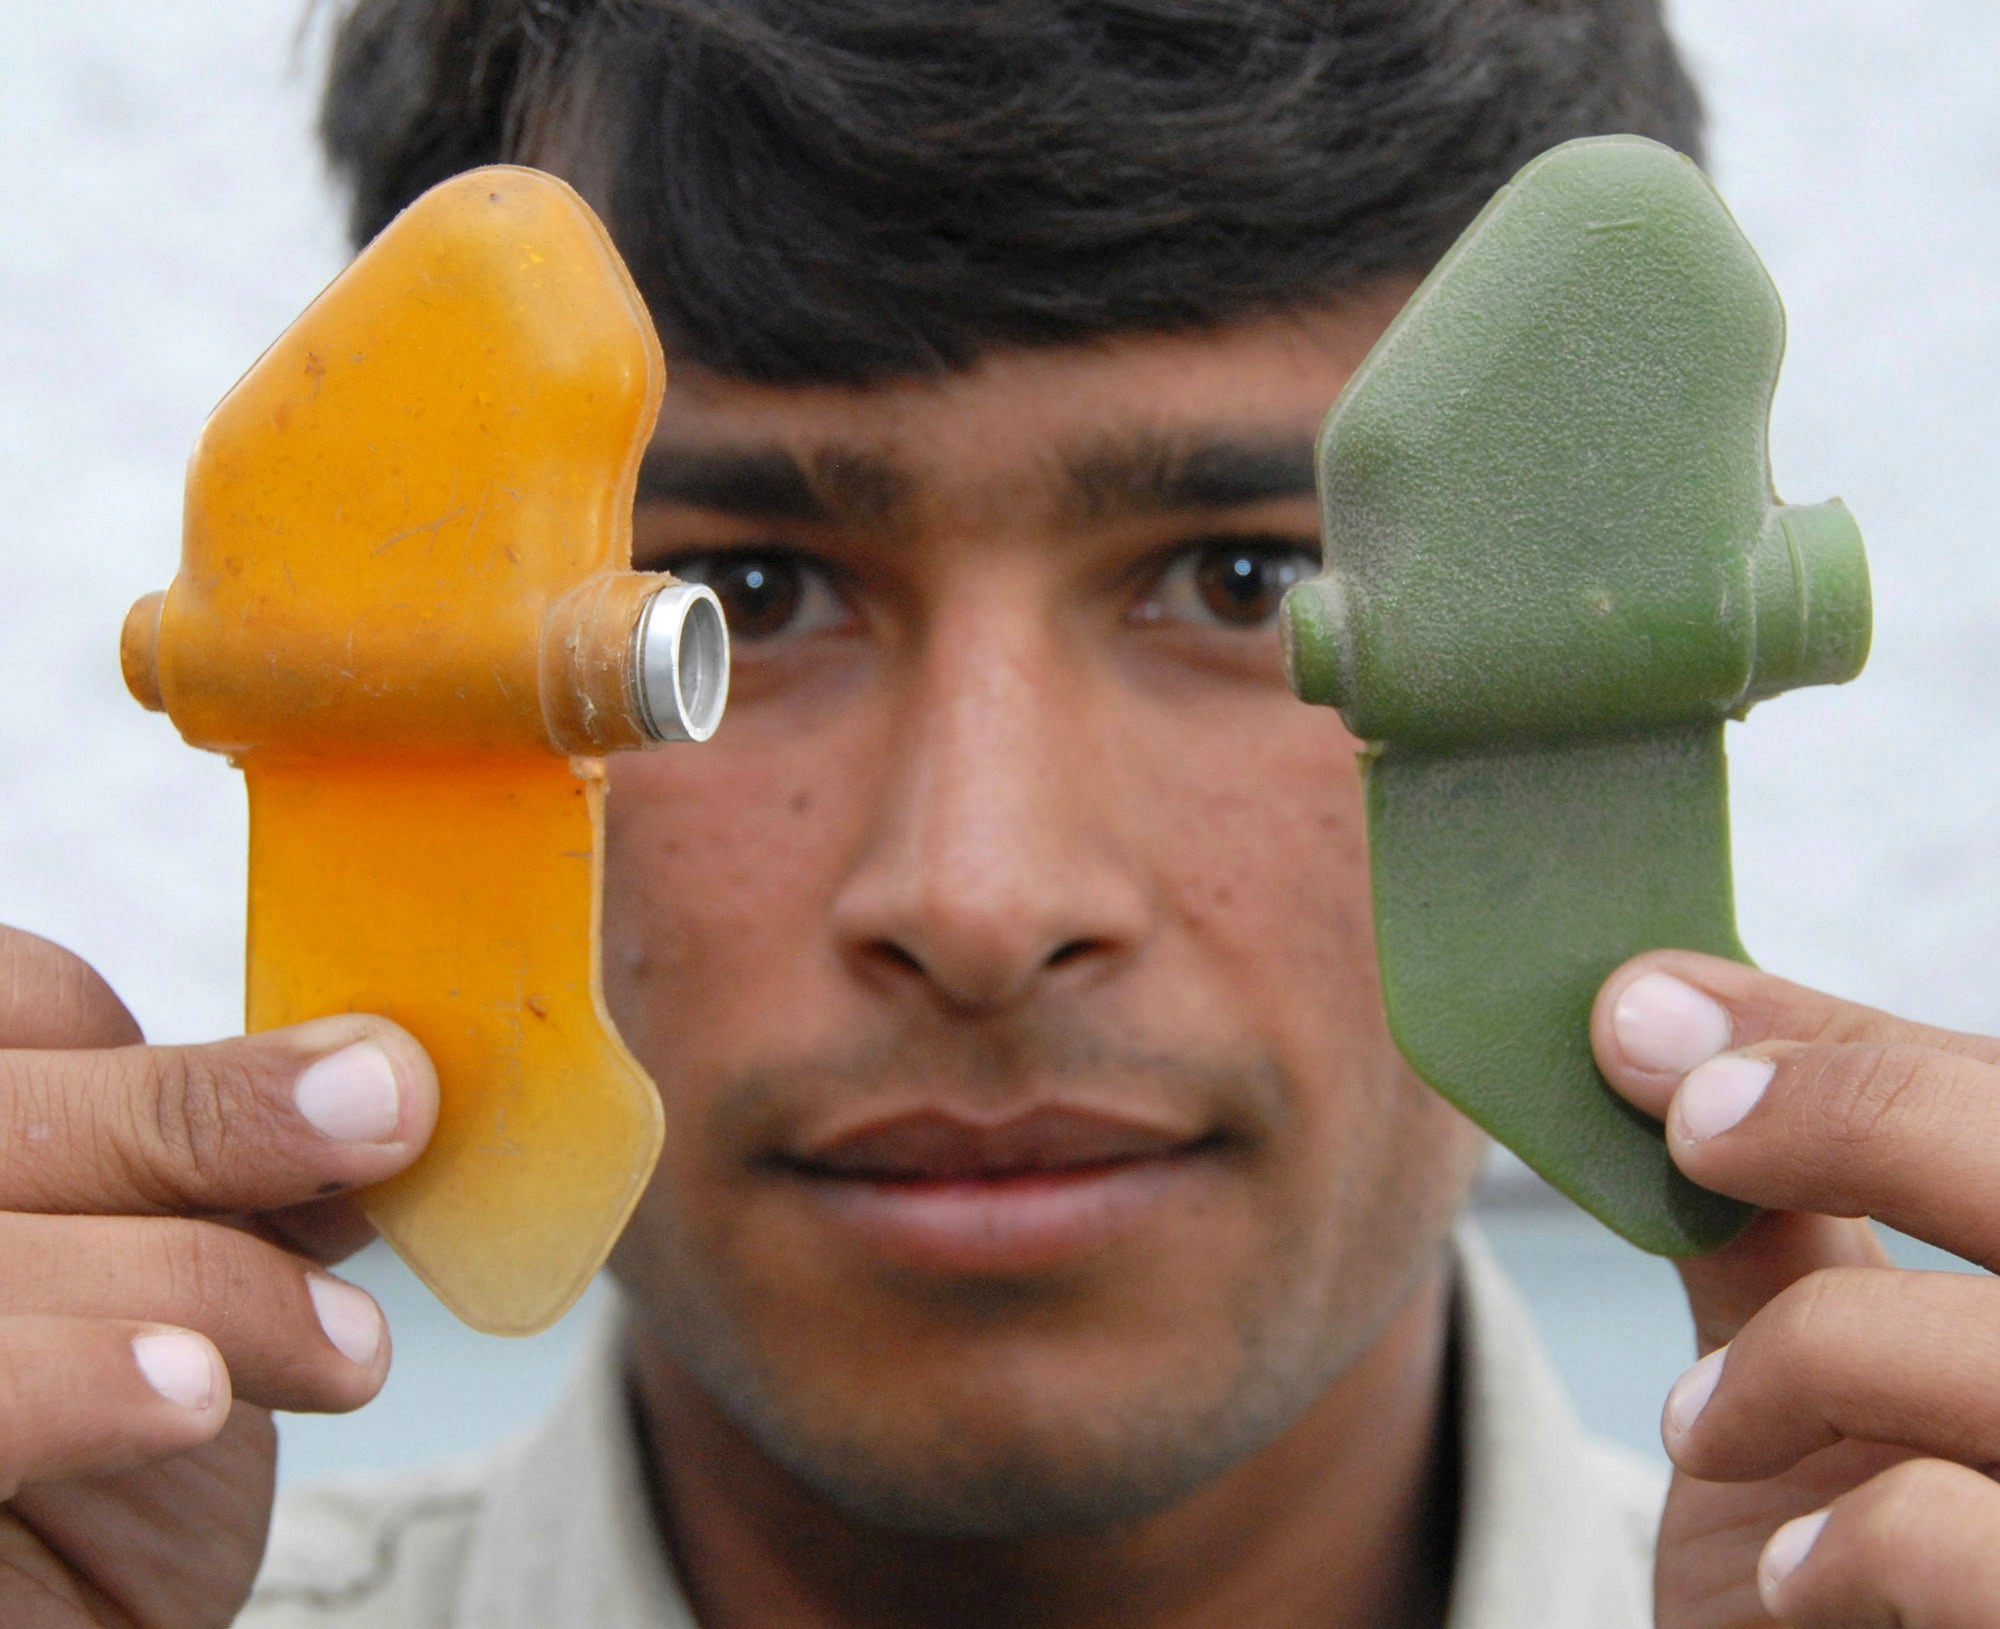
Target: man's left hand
1836	1443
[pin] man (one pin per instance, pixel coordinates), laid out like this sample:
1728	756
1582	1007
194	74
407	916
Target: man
1047	1231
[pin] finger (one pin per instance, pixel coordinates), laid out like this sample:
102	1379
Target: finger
1661	1014
82	1396
292	1336
322	1230
1728	1287
1819	1105
1865	1355
252	1124
166	1545
1917	1545
50	998
1901	1132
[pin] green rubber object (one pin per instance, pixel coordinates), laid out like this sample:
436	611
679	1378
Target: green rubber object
1554	567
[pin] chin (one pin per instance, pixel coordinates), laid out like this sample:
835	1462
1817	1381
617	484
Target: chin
988	1473
1045	1421
903	1388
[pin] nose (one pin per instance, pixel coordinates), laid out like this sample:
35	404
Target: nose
995	861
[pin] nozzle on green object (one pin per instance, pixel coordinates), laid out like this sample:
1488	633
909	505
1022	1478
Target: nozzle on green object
1309	636
1809	583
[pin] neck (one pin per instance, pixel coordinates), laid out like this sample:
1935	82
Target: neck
1346	1519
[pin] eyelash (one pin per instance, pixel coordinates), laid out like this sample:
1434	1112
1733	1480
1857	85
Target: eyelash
815	586
1171	584
1178	574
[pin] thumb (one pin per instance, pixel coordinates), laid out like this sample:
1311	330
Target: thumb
1656	1018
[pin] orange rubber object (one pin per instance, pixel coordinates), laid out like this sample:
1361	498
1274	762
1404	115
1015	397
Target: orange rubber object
405	609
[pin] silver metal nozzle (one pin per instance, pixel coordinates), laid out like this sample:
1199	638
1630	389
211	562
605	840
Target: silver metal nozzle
683	651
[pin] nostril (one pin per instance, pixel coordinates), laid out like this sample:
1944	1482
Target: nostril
893	952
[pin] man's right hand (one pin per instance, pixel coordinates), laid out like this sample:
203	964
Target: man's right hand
165	1213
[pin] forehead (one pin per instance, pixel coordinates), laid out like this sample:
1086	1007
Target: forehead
1216	418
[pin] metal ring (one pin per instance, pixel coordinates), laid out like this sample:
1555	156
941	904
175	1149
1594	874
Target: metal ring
683	663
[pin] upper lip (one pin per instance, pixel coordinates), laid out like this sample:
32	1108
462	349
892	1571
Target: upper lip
936	1145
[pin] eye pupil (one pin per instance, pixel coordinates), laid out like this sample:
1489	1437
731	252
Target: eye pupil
1242	587
760	598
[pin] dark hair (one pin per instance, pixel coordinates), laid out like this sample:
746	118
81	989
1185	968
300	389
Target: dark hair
844	190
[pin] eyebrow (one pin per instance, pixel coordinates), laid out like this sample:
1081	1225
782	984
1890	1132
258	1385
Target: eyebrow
1143	472
835	483
1148	472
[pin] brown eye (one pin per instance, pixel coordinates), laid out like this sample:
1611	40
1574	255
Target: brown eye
766	596
1240	585
760	597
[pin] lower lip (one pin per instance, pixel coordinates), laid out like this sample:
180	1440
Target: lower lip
1002	1226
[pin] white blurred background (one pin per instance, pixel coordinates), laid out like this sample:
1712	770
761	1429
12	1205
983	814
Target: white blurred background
165	216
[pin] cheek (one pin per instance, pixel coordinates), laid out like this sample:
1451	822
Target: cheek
1268	890
1264	871
719	867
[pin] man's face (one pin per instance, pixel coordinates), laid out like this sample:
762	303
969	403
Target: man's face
1035	1149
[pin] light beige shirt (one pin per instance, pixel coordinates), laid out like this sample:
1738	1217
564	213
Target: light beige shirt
554	1531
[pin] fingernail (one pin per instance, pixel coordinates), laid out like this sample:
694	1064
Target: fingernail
1666	1026
1691	1394
351	1095
179	1366
349	1316
1790	1545
1717	1095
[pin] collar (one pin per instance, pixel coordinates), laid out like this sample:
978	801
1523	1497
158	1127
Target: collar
568	1535
1556	1529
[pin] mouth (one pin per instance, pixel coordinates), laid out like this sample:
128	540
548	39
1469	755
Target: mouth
941	1193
